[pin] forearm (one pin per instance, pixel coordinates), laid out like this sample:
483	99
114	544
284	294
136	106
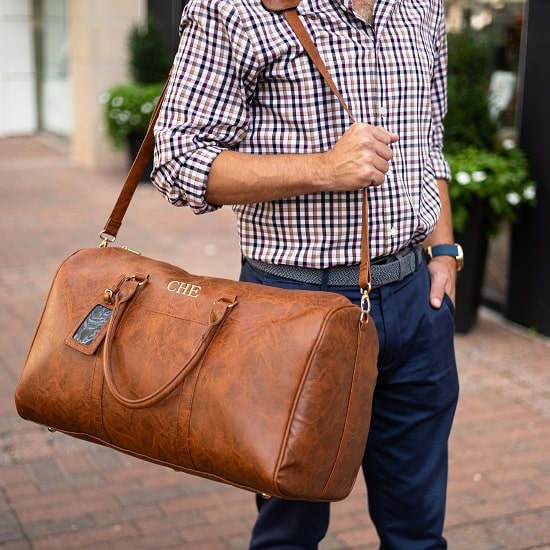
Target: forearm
359	159
241	178
443	232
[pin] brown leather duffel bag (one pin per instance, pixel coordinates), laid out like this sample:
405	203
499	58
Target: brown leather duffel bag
262	388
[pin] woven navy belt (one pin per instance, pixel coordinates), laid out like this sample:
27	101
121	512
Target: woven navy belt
386	270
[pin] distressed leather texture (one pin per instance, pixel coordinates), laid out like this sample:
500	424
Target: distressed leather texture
271	394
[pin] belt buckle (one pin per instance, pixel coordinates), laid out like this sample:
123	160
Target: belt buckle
408	259
402	259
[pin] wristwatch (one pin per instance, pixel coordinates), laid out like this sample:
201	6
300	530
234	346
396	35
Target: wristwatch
454	250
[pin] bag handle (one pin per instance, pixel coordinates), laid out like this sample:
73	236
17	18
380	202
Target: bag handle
126	291
288	8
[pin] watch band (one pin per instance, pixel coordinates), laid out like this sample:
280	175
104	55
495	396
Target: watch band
454	250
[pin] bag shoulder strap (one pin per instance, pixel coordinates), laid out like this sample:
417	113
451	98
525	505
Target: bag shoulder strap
110	231
288	8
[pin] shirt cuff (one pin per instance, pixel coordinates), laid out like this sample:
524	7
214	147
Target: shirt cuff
441	169
183	180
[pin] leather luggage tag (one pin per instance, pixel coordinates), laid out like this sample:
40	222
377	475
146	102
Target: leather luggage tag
89	332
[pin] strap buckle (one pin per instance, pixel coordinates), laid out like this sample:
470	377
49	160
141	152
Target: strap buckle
365	304
106	239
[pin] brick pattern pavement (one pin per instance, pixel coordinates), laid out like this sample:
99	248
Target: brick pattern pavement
58	492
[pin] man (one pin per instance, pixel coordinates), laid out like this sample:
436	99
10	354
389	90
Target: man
248	121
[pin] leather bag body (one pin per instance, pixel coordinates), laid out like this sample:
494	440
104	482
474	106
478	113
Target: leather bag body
263	388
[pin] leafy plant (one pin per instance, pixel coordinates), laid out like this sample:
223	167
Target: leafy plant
149	61
499	178
127	109
468	121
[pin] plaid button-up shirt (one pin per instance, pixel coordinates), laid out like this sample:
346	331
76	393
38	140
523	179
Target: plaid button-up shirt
242	81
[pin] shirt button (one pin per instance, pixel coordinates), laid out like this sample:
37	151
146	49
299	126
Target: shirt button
393	231
382	111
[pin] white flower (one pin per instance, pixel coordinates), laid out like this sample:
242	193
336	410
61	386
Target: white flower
513	198
104	98
117	101
530	192
147	108
123	117
463	178
479	176
509	144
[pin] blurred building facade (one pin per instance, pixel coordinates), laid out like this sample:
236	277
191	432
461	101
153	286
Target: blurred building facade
57	58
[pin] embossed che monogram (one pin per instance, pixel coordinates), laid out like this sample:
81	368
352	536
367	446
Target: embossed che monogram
183	288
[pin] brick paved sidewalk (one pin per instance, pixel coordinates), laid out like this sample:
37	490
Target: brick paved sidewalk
56	492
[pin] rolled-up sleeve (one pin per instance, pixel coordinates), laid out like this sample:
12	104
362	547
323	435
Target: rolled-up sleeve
439	103
205	107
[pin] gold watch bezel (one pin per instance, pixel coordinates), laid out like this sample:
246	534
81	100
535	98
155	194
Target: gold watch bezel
459	257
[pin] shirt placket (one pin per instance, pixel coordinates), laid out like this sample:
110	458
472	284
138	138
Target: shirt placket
379	116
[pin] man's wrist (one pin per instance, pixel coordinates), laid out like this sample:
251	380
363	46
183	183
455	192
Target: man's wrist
452	250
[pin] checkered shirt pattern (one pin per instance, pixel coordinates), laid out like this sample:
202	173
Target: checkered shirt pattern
242	81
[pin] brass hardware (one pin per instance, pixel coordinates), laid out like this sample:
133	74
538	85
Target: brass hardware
365	304
140	278
106	239
108	296
231	301
52	430
132	251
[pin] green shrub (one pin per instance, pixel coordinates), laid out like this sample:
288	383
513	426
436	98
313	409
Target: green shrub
127	109
501	179
149	61
468	122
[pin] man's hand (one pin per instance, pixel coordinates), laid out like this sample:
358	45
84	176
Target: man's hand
443	276
360	158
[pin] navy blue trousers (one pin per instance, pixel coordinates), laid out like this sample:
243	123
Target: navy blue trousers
406	460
